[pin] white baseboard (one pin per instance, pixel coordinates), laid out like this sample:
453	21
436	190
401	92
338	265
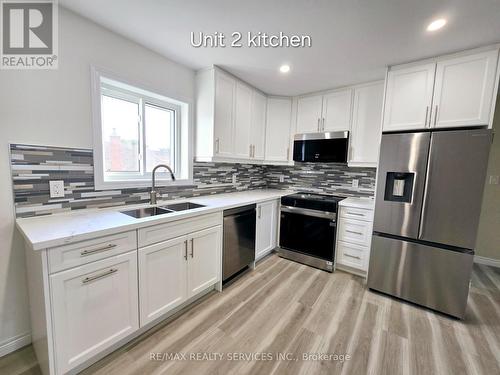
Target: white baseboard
487	261
14	343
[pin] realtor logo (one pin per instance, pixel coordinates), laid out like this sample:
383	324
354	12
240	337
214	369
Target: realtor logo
29	34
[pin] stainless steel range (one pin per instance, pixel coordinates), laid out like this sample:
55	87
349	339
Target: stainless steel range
308	227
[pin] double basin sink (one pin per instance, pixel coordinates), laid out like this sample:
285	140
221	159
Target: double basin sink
167	209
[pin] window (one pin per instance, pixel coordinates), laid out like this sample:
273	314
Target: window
134	131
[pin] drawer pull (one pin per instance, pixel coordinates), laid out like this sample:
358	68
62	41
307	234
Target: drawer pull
354	213
353	232
352	256
100	276
85	253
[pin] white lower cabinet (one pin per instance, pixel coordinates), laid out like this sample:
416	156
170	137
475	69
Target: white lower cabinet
203	259
266	228
355	231
162	277
173	271
87	298
352	255
354	234
93	307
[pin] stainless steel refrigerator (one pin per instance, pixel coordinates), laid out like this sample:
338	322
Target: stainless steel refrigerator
428	201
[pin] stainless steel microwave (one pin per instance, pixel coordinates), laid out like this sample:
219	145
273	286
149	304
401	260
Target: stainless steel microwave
328	147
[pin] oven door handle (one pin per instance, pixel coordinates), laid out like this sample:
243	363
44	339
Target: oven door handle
308	212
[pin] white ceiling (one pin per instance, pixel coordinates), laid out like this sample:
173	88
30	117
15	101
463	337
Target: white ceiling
352	40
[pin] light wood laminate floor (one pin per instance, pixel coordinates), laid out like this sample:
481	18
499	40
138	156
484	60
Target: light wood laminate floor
285	307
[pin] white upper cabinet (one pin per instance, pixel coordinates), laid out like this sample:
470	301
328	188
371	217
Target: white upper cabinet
258	126
230	119
329	112
309	118
278	130
409	97
449	92
464	89
225	88
242	121
337	111
366	125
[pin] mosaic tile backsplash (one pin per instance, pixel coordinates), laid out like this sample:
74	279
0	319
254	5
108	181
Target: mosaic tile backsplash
322	178
34	166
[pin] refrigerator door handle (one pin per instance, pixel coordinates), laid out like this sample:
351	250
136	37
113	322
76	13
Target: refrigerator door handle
425	201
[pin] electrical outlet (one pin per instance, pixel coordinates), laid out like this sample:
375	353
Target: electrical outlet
494	180
56	189
355	183
234	178
282	178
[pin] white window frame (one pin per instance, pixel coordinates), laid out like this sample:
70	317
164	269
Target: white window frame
122	89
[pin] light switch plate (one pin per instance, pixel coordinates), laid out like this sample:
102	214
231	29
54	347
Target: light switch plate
56	189
494	180
282	178
355	183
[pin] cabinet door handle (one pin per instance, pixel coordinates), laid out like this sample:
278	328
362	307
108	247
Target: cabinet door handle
250	151
192	247
253	151
354	232
354	213
260	212
186	249
217	145
323	124
85	253
352	256
88	279
318	124
426	115
435	115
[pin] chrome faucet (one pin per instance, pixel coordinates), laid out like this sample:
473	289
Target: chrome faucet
152	194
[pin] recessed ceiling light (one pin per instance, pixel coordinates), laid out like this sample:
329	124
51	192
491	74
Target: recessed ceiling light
284	68
436	25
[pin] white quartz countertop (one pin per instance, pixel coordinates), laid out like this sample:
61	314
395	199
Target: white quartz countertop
366	203
60	229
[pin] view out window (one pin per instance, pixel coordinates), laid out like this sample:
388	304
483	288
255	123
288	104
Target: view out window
137	130
120	134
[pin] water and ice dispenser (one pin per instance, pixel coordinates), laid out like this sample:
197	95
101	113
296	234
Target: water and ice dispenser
399	186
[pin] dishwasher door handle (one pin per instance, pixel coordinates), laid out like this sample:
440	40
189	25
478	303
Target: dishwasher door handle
234	217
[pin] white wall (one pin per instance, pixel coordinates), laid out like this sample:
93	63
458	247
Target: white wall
54	108
488	236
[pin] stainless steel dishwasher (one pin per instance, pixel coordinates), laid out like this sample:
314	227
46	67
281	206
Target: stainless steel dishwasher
239	240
